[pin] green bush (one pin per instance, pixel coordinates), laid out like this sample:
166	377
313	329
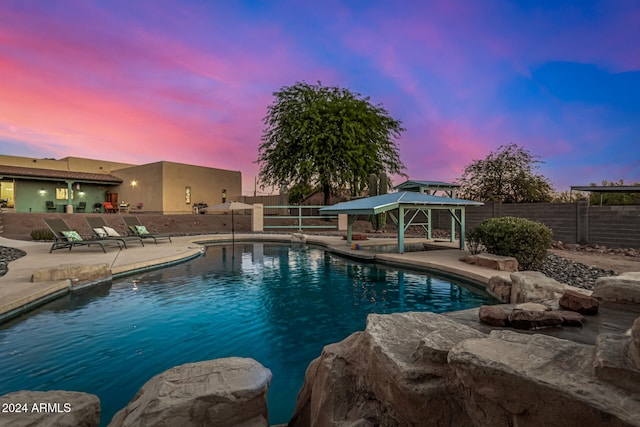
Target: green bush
42	234
525	240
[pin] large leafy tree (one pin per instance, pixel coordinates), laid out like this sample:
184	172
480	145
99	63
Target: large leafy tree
508	175
328	137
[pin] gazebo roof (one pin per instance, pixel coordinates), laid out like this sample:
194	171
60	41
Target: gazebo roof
607	188
416	185
386	202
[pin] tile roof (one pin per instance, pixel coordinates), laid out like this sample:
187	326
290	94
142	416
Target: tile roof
52	174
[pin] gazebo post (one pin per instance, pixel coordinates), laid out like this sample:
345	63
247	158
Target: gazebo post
462	228
453	228
350	219
400	229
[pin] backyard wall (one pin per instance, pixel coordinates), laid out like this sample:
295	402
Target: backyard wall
612	226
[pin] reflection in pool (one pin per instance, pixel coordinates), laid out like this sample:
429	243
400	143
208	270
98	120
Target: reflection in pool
275	303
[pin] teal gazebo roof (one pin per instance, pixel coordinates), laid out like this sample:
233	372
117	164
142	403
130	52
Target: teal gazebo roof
404	201
386	202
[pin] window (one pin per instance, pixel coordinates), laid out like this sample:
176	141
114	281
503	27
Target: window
62	193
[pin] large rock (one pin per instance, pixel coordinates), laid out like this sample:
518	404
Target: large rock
613	364
575	301
49	409
421	369
494	315
532	286
526	319
511	378
634	343
500	288
395	373
622	288
220	392
494	262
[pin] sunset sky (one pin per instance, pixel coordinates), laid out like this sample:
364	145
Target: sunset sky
190	81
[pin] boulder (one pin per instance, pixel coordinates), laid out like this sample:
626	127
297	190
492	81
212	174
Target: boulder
525	319
494	315
532	306
571	318
494	262
500	287
49	409
613	364
634	343
623	288
220	392
510	378
530	286
394	373
575	301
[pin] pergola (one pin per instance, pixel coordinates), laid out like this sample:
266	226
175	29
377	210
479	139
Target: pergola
607	189
409	204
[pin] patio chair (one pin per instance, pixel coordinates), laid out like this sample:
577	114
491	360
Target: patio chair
109	208
101	230
51	206
136	228
66	237
82	206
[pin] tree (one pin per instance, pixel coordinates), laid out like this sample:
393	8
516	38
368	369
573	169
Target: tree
327	136
506	175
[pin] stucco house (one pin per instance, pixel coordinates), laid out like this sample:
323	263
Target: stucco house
74	184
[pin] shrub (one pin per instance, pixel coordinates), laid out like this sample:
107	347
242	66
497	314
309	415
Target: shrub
42	234
525	240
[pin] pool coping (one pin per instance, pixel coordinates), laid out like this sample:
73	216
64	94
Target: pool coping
19	295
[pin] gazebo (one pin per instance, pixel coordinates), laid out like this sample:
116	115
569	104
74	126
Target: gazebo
409	204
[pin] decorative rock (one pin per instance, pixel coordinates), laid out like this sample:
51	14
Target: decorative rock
634	343
571	318
622	288
392	374
500	288
530	286
494	315
523	319
536	380
576	301
532	306
612	362
220	392
494	262
50	409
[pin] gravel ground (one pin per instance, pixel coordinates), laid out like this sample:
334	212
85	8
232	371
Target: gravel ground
572	273
6	256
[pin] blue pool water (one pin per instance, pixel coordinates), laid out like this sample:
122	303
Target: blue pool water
275	303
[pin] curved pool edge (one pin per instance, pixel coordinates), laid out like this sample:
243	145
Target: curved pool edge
445	262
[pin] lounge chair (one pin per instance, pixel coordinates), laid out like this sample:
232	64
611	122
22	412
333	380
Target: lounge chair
101	230
136	228
66	237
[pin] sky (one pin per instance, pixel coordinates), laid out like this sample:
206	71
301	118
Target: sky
190	81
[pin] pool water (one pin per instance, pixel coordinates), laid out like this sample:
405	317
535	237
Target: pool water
278	304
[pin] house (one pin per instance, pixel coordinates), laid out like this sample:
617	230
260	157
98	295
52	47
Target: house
79	184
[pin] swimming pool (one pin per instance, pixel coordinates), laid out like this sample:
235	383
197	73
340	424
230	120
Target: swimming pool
278	304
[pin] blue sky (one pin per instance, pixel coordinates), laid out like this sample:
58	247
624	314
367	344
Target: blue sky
190	81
